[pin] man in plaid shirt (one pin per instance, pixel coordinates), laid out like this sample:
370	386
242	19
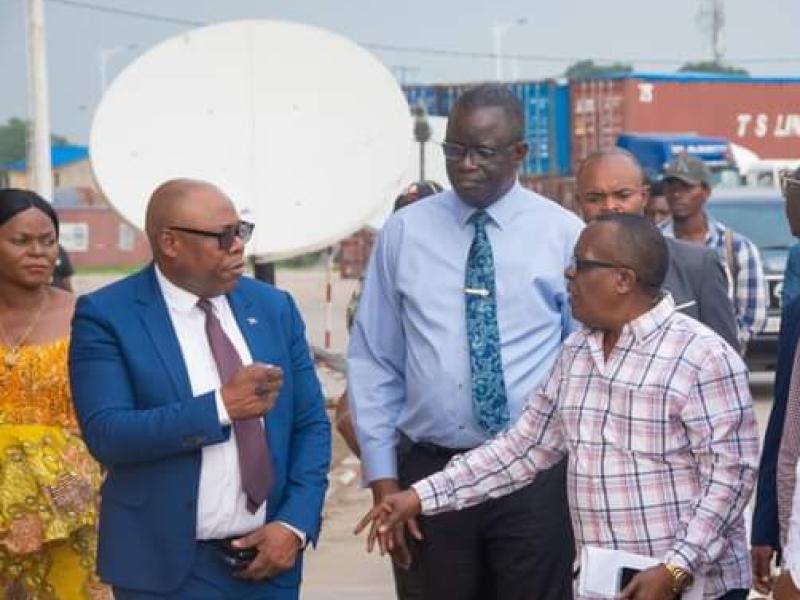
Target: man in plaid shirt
687	183
653	410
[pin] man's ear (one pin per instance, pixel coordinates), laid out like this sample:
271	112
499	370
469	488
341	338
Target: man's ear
520	152
167	243
626	281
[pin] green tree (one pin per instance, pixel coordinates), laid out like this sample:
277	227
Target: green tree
586	69
712	66
13	136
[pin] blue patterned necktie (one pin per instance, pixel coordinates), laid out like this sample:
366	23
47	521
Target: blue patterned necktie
489	403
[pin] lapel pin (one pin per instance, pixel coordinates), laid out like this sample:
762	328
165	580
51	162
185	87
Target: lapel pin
252	320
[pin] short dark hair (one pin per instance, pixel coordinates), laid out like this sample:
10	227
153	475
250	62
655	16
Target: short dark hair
656	187
14	201
498	96
642	247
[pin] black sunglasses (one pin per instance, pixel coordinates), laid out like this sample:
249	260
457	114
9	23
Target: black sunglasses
226	237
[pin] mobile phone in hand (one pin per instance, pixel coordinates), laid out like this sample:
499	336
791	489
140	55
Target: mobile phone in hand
626	574
236	558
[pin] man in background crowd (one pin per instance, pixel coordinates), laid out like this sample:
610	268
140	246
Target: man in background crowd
657	208
687	182
612	181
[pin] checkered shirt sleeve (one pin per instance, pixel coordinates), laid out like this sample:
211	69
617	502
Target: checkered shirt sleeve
505	463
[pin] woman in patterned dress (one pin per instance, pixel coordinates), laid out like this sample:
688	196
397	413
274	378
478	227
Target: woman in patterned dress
48	481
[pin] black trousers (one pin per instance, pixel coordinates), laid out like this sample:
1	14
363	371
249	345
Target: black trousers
736	595
519	547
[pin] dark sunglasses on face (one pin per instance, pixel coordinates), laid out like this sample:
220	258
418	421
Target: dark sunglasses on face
226	237
584	264
480	154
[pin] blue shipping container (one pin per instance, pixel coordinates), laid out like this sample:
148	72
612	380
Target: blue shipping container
424	94
547	113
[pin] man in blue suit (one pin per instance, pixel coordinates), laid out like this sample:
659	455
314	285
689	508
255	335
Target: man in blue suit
216	471
765	536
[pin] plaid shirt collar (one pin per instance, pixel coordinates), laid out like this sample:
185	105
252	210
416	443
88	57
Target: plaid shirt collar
715	231
642	327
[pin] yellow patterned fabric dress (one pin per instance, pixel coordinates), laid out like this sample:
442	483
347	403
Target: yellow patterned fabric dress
48	482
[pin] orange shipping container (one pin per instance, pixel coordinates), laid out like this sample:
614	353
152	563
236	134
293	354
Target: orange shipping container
761	114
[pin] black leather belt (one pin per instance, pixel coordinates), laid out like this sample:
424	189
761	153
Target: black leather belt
406	444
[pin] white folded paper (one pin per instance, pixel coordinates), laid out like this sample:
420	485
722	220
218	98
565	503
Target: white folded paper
601	568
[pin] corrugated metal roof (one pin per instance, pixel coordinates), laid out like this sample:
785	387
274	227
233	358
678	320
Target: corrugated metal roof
59	156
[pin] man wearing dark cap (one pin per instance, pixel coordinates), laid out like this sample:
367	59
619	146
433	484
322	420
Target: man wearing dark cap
687	182
654	415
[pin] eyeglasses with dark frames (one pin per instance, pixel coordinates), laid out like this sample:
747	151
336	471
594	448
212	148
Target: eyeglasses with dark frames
226	237
454	152
584	264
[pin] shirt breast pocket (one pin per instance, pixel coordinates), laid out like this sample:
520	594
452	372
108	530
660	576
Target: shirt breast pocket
645	422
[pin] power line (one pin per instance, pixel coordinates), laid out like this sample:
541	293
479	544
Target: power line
427	50
129	13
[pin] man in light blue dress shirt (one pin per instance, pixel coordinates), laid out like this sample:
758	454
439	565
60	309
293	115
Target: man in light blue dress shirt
410	374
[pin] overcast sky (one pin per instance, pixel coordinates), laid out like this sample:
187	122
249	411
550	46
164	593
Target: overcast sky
760	35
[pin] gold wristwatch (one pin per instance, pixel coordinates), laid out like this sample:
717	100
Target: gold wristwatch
681	578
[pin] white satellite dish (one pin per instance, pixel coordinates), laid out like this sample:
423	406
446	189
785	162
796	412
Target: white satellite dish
307	132
435	169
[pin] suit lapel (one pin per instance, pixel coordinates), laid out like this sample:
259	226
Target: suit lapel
248	320
156	320
255	333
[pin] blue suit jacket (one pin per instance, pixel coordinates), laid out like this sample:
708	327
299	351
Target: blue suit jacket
765	515
139	419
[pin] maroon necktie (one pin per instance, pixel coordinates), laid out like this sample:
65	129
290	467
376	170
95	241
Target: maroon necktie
255	462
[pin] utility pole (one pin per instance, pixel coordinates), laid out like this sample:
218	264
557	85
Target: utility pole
712	20
40	174
498	31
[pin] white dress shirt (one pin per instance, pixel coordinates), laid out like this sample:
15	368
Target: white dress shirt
221	502
791	554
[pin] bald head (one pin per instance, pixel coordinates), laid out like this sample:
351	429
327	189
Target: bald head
611	155
195	236
610	181
173	199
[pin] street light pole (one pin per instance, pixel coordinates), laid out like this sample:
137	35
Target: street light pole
422	133
498	31
40	175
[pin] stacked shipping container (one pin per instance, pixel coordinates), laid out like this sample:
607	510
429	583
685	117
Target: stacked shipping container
761	114
547	109
565	122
